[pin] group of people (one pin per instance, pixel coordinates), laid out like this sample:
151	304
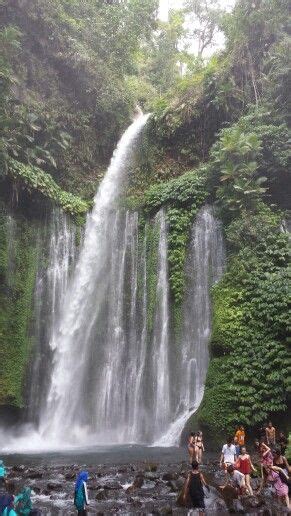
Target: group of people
238	465
12	504
20	504
196	447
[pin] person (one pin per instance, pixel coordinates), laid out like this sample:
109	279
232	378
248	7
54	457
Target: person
280	461
279	480
7	501
199	446
266	457
237	446
245	466
236	479
81	494
240	435
192	447
270	434
283	442
23	502
228	454
2	473
194	488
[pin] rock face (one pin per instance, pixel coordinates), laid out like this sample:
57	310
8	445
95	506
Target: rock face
134	489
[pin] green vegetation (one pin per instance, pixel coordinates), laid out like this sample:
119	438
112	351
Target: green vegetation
17	273
248	378
181	197
35	179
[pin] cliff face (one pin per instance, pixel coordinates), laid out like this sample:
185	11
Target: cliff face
66	104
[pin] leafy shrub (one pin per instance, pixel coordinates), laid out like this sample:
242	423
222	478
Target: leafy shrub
35	179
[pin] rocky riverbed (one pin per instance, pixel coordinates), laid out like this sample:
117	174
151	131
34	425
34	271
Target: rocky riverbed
136	488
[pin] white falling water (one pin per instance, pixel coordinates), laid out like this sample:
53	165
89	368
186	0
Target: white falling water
160	367
108	368
54	265
65	415
205	264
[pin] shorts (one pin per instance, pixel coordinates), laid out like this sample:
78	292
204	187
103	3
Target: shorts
197	503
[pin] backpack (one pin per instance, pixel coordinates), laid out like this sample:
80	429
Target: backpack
79	498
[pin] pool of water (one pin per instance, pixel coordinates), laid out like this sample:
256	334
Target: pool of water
115	454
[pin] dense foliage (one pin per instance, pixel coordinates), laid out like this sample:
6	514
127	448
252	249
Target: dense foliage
18	253
248	378
36	179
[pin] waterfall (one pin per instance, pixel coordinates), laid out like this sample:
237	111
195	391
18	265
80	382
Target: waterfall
160	367
70	410
204	266
56	250
108	367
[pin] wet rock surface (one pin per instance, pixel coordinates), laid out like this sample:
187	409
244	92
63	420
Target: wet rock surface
139	488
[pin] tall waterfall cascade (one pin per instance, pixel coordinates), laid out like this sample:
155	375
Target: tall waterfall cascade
74	401
108	367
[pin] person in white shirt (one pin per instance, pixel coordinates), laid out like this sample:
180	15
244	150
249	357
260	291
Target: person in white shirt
228	453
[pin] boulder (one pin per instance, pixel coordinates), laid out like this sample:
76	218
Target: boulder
112	485
34	474
70	476
54	486
169	476
101	495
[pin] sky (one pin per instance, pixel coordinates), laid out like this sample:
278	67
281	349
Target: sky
166	5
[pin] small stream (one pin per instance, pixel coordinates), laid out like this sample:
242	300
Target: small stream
126	479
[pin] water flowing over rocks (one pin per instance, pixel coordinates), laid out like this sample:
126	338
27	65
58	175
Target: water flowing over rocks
133	489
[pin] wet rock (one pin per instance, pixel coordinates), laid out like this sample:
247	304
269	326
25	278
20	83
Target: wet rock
251	502
19	468
151	467
169	476
137	484
112	485
166	510
46	492
101	495
54	486
134	502
94	486
34	474
238	507
151	476
173	485
70	476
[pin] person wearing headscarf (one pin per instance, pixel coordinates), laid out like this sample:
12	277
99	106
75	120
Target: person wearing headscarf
2	472
23	502
7	504
81	493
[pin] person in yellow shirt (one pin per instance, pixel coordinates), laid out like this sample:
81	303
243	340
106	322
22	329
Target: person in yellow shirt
240	435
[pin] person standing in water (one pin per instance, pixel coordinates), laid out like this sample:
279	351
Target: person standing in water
194	488
81	495
192	447
2	474
245	466
270	434
228	454
23	503
199	446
